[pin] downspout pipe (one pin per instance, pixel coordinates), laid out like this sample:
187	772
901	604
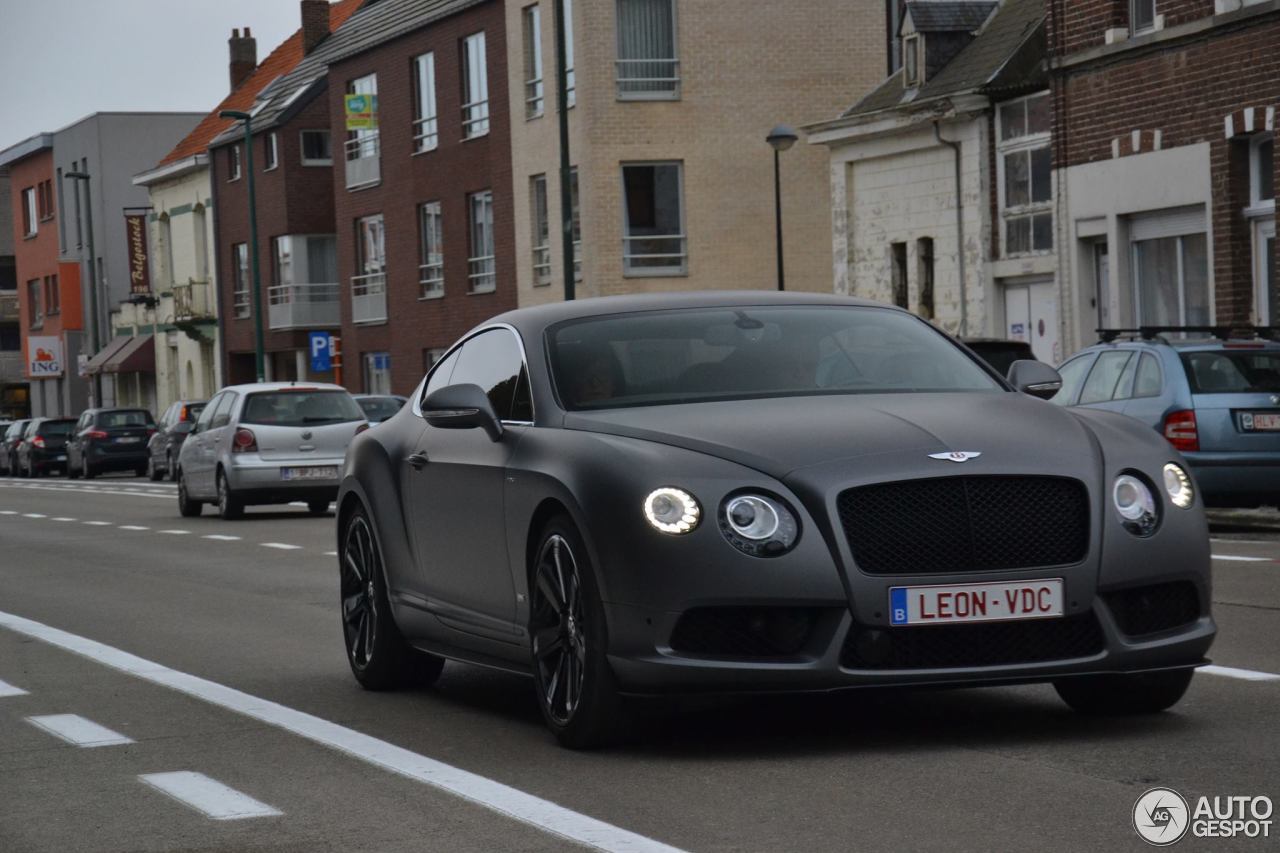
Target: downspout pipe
964	298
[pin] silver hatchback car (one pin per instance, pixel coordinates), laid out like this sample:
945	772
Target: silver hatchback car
268	443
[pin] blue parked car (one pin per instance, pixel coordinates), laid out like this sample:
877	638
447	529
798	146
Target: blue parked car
1216	399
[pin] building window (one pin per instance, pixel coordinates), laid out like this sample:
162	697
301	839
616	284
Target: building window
898	274
431	356
165	237
575	210
377	373
200	239
893	22
475	87
362	143
317	149
533	89
541	237
426	134
233	163
1173	281
1262	170
647	64
654	241
1262	212
30	215
924	260
44	196
270	152
52	298
1026	170
1142	15
35	311
240	270
369	285
911	75
482	276
571	76
431	248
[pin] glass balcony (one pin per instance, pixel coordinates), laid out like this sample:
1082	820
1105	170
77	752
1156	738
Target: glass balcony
369	298
304	306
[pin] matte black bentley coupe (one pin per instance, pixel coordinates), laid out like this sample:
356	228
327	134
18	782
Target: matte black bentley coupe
763	492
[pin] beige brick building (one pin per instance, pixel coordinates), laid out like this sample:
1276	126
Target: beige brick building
672	103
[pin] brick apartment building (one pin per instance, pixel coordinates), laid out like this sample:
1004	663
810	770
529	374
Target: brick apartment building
1164	151
14	390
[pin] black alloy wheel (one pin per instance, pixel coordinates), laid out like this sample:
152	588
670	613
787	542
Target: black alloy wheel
379	656
575	685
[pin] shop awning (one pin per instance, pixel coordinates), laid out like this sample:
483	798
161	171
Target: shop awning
138	355
113	346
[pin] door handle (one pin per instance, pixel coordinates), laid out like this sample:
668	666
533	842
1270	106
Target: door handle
418	460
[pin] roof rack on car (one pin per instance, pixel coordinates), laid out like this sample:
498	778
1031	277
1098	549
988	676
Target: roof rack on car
1148	333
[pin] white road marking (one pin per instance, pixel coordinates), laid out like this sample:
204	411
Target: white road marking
331	553
1233	558
221	537
90	491
174	532
33	515
78	731
1242	674
98	523
62	518
208	796
298	503
7	512
7	689
495	796
133	527
280	546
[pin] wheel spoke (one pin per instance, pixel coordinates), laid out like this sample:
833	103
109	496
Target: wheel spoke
551	689
547	641
555	555
354	567
357	637
546	584
353	606
369	626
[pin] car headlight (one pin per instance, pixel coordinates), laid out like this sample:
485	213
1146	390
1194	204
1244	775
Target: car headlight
672	510
1178	484
1136	504
758	525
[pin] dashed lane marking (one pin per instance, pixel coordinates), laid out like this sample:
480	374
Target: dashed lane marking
62	518
221	537
133	527
503	799
1242	674
330	553
78	731
98	523
7	689
174	532
7	512
209	796
33	515
1236	558
281	546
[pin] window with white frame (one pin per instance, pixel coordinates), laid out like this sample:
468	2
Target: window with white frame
431	250
426	133
482	269
911	75
534	101
1170	258
317	150
1142	16
541	236
200	240
270	152
475	87
1262	213
165	236
647	66
571	76
30	215
363	143
35	312
240	283
575	211
1026	176
654	241
371	246
1262	170
377	373
233	163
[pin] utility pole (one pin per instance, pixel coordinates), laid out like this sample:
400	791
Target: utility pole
566	193
259	358
95	338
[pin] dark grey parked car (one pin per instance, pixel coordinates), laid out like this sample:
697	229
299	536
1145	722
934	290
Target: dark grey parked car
763	492
109	440
171	431
9	442
43	448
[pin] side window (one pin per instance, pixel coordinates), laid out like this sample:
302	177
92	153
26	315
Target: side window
206	417
1149	381
1073	373
222	416
522	406
1105	376
493	361
441	375
1124	388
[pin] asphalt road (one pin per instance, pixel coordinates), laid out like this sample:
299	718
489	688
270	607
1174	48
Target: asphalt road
126	626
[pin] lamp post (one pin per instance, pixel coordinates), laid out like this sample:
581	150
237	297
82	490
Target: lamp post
245	119
780	139
95	338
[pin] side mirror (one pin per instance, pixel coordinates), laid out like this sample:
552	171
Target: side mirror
462	407
1035	378
195	427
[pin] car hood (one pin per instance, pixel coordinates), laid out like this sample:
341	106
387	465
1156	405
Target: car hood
785	436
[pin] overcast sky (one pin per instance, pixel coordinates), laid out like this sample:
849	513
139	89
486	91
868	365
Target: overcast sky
64	59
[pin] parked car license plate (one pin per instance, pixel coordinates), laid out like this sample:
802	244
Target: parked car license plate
61	457
1260	421
329	472
128	439
975	602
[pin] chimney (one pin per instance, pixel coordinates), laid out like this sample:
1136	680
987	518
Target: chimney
244	56
315	23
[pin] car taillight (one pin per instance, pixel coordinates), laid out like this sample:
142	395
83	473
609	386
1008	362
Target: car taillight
151	431
95	433
38	441
244	442
183	415
1180	430
364	426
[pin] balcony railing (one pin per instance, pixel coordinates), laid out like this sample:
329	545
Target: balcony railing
541	265
364	162
648	79
192	301
9	312
431	279
242	303
475	119
304	306
483	276
426	135
369	298
657	254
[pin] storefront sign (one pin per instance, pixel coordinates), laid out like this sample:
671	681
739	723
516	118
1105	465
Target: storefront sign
44	357
362	112
139	267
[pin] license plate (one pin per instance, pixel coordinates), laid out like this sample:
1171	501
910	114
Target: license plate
1260	422
975	602
61	457
128	439
327	473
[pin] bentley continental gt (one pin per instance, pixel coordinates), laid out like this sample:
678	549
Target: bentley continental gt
755	492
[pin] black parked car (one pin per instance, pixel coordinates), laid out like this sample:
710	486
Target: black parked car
9	446
380	407
1000	353
174	427
110	440
44	447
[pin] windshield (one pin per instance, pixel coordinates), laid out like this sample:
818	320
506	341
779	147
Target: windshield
300	408
1233	371
379	408
690	356
56	427
125	418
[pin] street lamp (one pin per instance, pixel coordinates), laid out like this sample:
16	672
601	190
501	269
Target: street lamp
245	118
780	139
95	337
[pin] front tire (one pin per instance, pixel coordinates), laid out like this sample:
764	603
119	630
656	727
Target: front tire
576	689
230	507
186	506
1123	695
152	473
380	658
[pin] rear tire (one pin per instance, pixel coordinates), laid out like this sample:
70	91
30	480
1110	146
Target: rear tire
170	473
186	506
87	470
1122	695
152	474
380	658
230	507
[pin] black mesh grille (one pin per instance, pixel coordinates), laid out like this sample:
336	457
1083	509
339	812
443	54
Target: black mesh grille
966	524
743	632
983	644
1152	609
